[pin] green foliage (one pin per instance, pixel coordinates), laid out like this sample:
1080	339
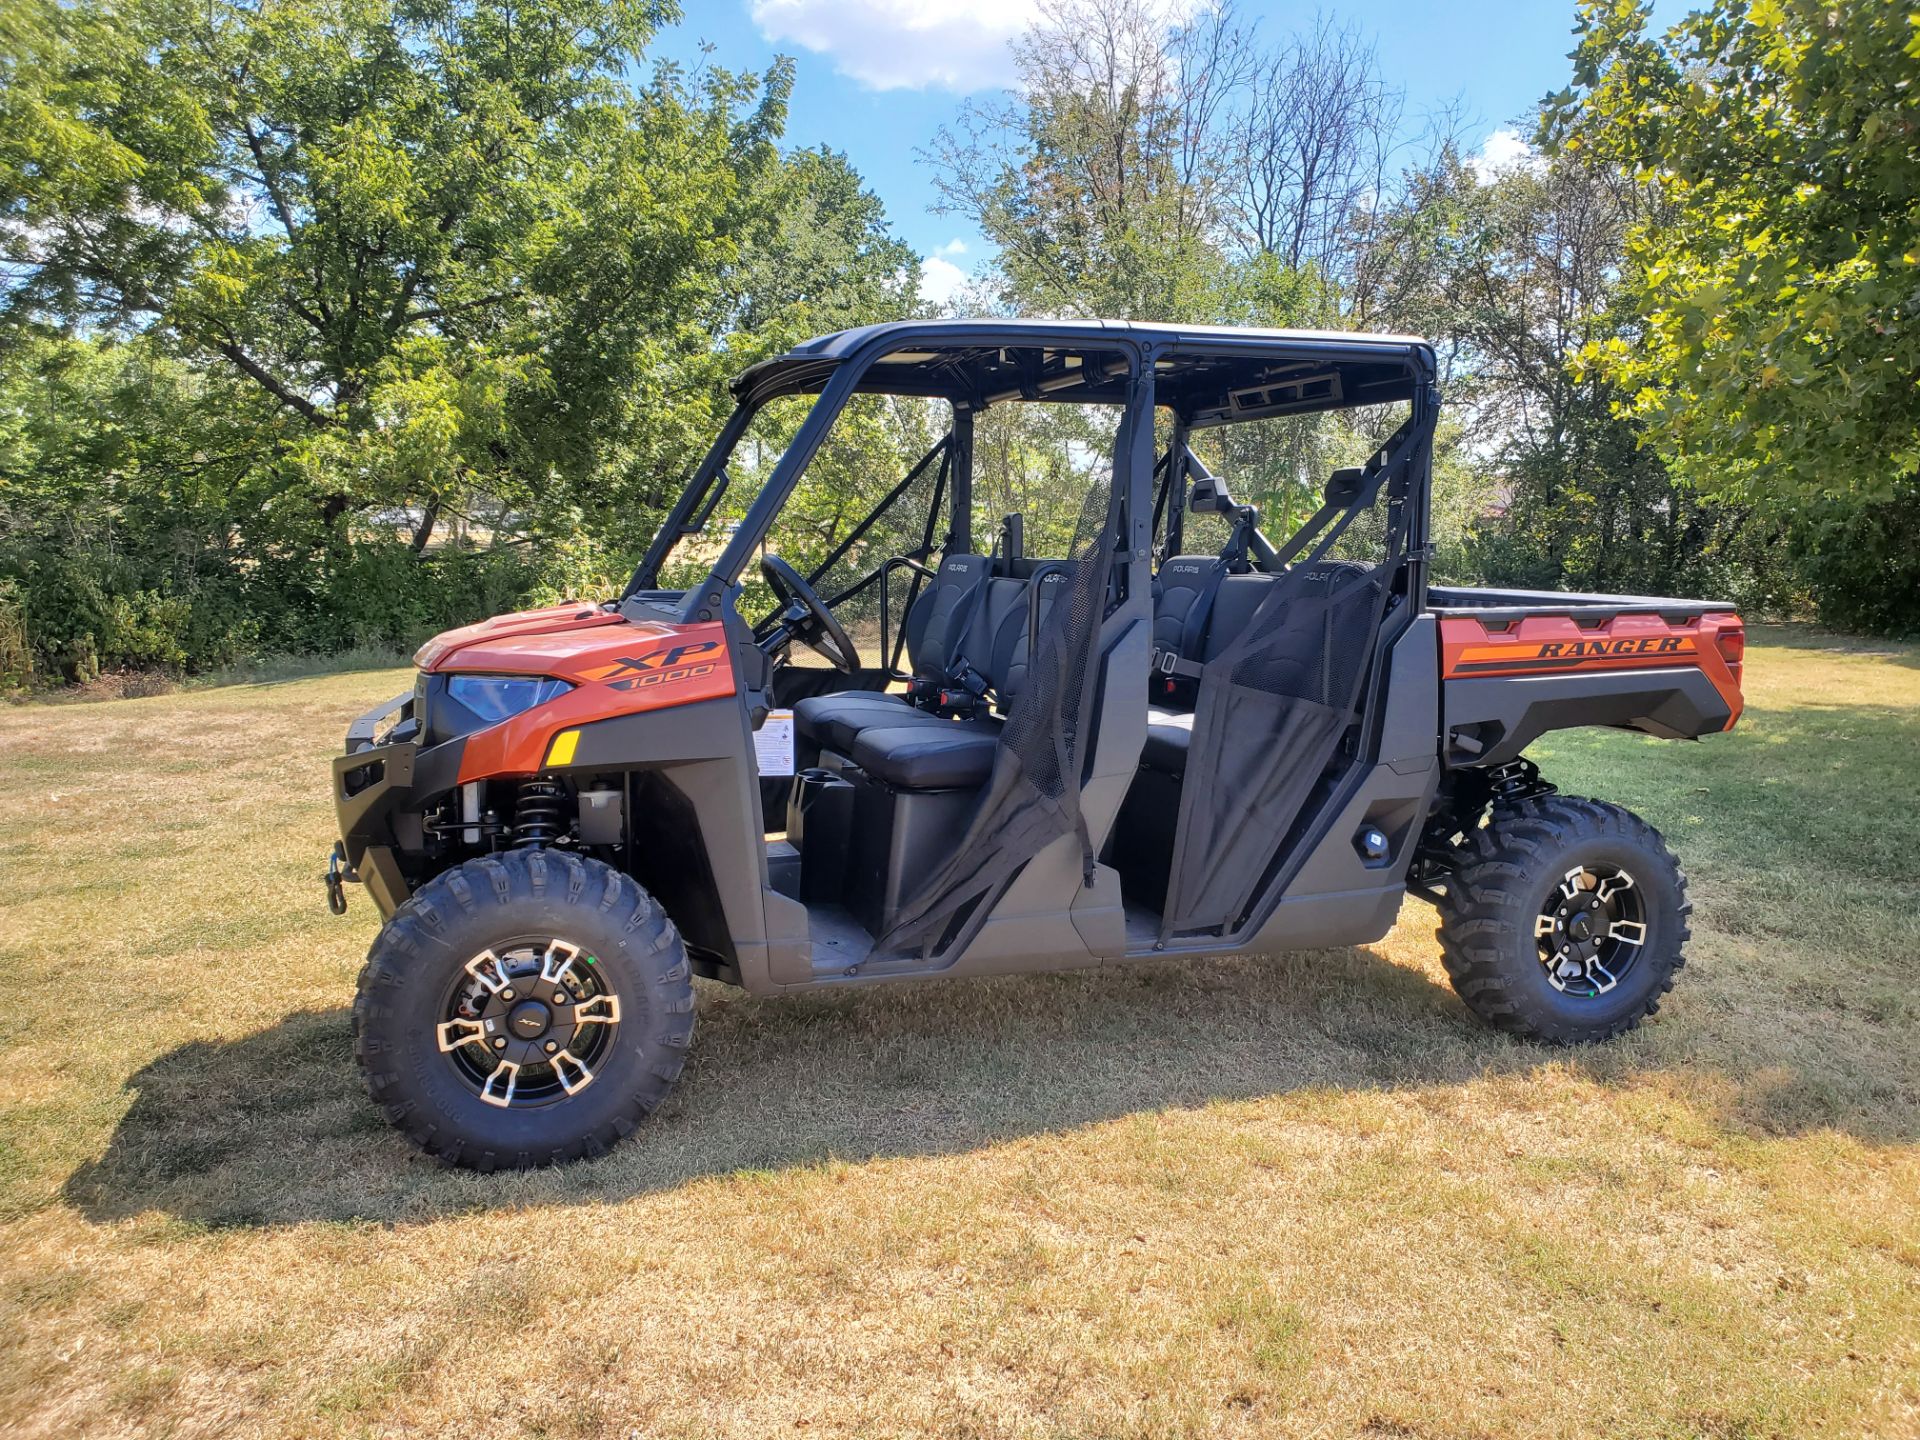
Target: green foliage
1775	358
328	323
1864	561
300	295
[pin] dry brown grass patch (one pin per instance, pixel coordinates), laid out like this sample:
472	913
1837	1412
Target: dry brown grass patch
1304	1196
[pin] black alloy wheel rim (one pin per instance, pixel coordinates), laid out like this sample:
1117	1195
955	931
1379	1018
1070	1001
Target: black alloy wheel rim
528	1023
1591	930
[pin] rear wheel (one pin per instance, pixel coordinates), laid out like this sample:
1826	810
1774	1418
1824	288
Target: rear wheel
523	1009
1564	920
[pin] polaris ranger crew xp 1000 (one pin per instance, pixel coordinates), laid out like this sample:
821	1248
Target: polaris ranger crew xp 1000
1079	705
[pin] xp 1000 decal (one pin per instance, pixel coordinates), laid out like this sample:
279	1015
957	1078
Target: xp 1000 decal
667	665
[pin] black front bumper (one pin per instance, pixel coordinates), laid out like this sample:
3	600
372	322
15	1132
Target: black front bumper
380	791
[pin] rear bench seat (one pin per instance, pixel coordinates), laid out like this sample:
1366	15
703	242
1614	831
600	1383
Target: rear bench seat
914	749
1170	729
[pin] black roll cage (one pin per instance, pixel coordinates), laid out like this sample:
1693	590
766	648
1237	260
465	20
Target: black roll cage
837	366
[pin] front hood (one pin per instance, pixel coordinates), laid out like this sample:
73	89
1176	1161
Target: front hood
584	645
615	667
517	641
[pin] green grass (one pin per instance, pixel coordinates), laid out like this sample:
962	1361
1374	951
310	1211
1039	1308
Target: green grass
1299	1196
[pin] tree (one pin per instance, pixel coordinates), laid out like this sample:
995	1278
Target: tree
1312	145
1102	181
1778	338
1185	171
410	226
467	283
1517	271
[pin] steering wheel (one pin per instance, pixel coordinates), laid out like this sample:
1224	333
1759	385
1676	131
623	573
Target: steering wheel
805	619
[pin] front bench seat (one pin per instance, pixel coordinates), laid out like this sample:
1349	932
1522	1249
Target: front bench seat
933	628
947	755
834	722
913	749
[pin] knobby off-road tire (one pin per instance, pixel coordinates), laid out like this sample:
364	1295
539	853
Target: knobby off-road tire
1515	870
522	902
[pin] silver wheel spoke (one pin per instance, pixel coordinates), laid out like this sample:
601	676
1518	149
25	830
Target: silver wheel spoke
1543	927
558	961
1612	886
1628	932
491	971
598	1010
455	1033
500	1084
581	1077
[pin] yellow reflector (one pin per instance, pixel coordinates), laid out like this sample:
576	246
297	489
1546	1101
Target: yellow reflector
564	744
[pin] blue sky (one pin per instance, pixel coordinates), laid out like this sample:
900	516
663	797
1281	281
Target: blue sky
876	78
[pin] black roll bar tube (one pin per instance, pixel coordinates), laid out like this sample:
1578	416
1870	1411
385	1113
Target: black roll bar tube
1174	490
940	448
678	524
941	490
921	574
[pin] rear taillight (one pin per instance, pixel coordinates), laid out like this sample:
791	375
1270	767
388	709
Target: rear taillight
1732	642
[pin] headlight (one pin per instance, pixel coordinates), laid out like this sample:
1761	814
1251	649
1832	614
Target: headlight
493	698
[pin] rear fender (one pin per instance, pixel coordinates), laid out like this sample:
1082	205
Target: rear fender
1507	683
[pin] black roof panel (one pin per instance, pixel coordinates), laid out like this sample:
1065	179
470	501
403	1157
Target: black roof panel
841	345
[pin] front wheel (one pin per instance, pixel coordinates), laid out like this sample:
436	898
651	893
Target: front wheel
523	1009
1564	920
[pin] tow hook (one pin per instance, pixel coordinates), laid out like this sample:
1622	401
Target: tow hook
335	878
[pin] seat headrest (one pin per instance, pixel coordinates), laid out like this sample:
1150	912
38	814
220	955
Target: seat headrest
1344	486
1187	567
1209	496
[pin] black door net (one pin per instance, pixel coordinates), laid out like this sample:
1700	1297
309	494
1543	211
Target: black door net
1272	707
1032	797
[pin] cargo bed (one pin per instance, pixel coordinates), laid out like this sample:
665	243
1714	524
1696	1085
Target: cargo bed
1515	664
1490	604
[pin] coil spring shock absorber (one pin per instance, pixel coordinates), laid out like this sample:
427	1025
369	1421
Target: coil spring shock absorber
540	814
1517	780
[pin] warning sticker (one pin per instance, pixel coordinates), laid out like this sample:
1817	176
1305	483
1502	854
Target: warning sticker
773	743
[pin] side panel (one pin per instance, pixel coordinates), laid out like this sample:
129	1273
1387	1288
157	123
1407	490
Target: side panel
1029	930
1508	682
1342	894
706	752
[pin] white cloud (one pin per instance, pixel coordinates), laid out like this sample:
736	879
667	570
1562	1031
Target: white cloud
957	45
941	280
955	246
1504	150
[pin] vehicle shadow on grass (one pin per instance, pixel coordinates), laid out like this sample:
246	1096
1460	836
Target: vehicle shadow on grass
275	1128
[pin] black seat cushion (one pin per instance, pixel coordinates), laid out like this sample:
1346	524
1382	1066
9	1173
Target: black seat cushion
1169	733
947	755
834	720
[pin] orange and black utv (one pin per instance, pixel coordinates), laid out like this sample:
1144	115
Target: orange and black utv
1124	746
